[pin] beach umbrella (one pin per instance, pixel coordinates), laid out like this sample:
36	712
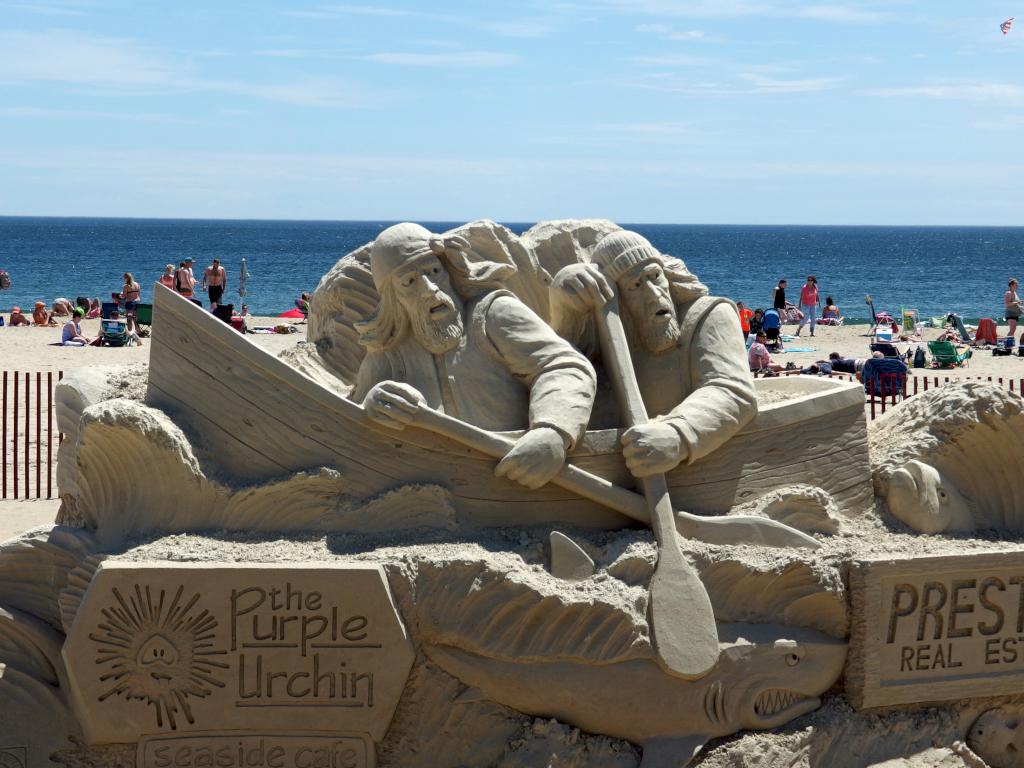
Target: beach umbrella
294	314
243	276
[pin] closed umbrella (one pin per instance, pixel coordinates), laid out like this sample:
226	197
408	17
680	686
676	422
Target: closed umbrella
243	276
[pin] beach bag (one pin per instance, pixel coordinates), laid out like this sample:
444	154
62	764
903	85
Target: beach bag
5	280
920	359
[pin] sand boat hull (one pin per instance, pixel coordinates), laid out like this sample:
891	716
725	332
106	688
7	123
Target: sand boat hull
253	418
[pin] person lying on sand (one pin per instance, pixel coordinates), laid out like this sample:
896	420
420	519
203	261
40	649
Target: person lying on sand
17	318
40	316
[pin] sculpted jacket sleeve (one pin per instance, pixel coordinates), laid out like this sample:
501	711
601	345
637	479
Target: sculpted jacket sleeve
561	380
723	399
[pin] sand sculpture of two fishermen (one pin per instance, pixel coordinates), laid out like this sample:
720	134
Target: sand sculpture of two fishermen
447	335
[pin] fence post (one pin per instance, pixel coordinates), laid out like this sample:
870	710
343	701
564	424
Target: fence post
49	434
3	440
39	435
28	428
871	396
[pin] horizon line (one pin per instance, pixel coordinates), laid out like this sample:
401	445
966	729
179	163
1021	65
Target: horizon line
498	221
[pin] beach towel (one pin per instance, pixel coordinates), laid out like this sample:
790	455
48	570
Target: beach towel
799	349
986	332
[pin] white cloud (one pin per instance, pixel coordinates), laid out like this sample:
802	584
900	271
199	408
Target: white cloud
88	114
841	14
671	60
999	92
763	84
517	28
119	65
467	59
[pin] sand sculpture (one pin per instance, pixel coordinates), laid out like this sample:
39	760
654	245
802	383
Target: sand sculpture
516	502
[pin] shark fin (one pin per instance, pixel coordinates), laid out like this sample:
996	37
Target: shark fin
568	560
470	695
671	752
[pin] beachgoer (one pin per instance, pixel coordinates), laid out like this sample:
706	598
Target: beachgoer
95	308
779	297
183	282
71	335
809	303
445	335
215	282
62	308
1011	306
167	278
114	327
40	316
745	315
683	344
758	358
131	292
849	365
829	313
757	321
17	318
302	303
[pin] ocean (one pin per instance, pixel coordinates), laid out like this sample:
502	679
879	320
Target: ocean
935	270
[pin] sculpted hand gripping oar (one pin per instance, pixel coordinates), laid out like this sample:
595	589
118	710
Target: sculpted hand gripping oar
682	620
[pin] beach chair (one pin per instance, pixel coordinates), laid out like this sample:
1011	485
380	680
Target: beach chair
878	318
911	319
886	348
986	333
945	355
885	378
115	333
143	314
223	312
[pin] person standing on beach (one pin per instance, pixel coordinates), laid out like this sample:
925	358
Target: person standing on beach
809	303
215	282
1011	306
183	281
779	298
167	278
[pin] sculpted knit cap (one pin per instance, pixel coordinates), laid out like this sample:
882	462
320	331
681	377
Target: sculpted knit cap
617	252
398	245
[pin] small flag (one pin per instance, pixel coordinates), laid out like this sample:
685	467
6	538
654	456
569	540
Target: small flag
1005	26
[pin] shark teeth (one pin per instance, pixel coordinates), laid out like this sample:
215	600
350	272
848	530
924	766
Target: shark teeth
774	700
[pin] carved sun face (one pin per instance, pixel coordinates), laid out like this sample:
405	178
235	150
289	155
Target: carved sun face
158	653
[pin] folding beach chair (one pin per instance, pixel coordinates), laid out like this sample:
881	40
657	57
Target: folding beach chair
911	319
878	318
885	378
115	333
945	355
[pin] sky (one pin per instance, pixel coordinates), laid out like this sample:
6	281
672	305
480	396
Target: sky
711	111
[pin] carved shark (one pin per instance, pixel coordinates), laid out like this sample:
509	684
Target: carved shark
766	675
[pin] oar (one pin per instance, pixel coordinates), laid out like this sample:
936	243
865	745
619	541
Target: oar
682	621
735	529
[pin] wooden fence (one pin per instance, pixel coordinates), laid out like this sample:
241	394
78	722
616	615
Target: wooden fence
28	442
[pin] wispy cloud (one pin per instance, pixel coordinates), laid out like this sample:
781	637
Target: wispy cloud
517	28
668	32
119	65
53	8
718	9
88	114
998	92
463	59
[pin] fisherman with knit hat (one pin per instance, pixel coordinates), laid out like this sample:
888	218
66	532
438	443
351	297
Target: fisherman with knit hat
684	346
446	335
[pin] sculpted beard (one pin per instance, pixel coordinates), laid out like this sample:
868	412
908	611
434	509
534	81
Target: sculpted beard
437	323
657	327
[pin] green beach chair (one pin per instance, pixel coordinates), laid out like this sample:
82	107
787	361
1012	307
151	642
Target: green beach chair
945	355
144	314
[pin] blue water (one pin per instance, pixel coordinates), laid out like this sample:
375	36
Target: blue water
933	269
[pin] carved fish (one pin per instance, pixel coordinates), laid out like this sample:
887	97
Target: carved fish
926	501
766	676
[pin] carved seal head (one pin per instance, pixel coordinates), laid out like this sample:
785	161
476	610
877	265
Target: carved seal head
920	497
998	739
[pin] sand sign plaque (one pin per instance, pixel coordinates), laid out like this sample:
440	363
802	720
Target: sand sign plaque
176	648
934	629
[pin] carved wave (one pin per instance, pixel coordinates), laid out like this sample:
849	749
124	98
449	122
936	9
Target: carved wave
492	610
139	473
973	434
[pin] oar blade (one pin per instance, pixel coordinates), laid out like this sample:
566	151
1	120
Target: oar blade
682	620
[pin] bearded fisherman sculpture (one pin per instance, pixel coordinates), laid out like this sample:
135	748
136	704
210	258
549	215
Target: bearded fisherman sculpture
447	336
684	345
